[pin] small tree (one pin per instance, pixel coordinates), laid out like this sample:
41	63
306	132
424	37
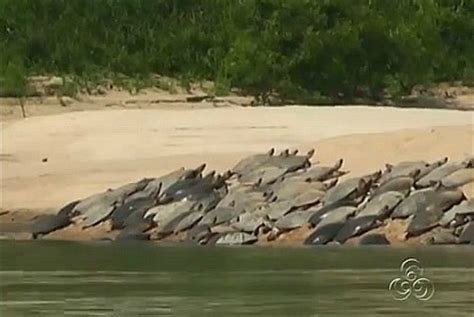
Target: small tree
15	84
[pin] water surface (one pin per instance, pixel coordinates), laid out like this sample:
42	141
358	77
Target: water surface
101	279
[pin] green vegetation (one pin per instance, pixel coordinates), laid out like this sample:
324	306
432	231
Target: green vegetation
334	49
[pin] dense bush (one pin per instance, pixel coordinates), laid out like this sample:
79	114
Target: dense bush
307	47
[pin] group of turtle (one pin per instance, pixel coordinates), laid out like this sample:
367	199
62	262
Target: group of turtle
266	195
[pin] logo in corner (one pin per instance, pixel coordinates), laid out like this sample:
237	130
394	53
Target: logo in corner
411	282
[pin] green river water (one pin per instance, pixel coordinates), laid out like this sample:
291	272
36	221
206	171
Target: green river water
43	278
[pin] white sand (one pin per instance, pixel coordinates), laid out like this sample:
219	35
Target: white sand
92	150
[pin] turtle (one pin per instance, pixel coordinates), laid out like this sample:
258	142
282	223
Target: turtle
467	234
424	220
232	238
417	200
250	222
340	214
288	188
292	163
317	213
184	187
137	218
250	202
99	207
420	200
356	226
401	184
69	209
207	202
292	220
308	198
428	168
169	225
208	193
221	215
277	210
152	189
324	234
162	213
199	233
458	178
381	205
284	187
45	224
100	210
264	175
249	163
442	236
438	174
189	220
446	198
374	239
464	208
351	188
320	173
173	177
136	233
241	196
402	169
120	214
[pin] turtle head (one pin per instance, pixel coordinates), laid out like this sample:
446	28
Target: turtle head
222	179
469	162
443	161
209	176
338	164
310	153
258	182
198	207
363	185
415	173
436	185
228	174
200	168
271	152
157	191
375	176
331	183
285	153
267	194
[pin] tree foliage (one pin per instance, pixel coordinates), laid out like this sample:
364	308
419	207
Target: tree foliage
327	47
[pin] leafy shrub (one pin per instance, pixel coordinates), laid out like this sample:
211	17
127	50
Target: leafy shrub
326	48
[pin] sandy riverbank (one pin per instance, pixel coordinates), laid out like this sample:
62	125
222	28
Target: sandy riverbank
90	151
